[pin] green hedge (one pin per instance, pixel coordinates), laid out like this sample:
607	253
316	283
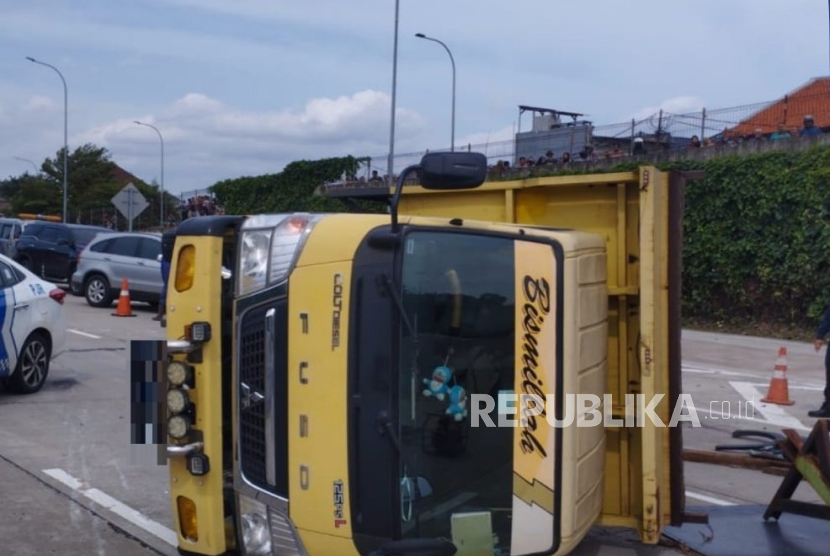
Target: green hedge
290	190
757	239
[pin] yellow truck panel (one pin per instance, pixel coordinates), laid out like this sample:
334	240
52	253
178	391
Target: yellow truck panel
631	211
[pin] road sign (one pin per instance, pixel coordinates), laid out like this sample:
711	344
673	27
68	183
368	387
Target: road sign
130	202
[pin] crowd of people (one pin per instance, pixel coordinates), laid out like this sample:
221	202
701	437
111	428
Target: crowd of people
728	139
587	154
198	205
638	146
607	150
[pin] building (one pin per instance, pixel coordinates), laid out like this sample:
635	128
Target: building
812	98
551	132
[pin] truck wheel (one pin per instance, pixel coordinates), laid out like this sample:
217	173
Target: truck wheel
32	365
97	291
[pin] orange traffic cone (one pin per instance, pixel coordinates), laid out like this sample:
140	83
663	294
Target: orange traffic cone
779	392
125	309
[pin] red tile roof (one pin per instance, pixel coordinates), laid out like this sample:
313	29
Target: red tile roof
812	98
122	177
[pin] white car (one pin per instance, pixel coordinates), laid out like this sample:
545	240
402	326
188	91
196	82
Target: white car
33	327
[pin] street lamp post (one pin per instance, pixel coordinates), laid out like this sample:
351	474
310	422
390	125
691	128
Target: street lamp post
390	166
29	161
452	60
65	132
161	200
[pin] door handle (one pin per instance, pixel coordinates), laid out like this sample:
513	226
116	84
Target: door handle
21	306
141	263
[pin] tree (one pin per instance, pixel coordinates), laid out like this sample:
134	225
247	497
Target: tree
31	194
290	190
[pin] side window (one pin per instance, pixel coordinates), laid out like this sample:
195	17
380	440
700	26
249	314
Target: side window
6	231
150	249
48	235
64	237
102	246
8	277
125	246
32	229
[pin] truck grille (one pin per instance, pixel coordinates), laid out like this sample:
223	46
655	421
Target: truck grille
252	376
254	422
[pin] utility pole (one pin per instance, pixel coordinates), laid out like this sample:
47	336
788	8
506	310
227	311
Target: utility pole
65	133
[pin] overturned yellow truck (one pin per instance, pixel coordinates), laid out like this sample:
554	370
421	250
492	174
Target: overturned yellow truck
470	377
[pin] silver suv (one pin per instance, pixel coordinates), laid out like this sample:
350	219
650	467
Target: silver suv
10	229
110	258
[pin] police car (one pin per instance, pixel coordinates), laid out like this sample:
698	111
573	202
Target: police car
33	327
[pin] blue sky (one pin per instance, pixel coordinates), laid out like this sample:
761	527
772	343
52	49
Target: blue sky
242	87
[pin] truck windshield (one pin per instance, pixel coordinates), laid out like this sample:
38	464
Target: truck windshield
458	292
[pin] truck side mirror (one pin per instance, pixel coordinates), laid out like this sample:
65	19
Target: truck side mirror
453	170
461	170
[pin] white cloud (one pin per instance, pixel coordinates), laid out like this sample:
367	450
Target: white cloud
245	86
676	105
195	104
39	103
207	140
488	137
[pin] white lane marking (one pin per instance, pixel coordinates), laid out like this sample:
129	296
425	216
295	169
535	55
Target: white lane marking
87	334
794	382
65	478
774	414
702	369
133	516
710	499
708	415
794	386
718	372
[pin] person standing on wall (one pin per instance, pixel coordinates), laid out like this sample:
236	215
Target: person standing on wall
168	240
823	412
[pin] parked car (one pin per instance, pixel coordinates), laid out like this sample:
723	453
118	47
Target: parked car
110	258
33	328
10	230
50	249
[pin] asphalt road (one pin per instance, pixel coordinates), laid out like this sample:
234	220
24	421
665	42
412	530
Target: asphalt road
66	455
72	483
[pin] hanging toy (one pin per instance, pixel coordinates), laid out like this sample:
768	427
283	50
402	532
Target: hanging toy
438	385
458	403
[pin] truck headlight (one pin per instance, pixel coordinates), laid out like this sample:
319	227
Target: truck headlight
253	260
270	247
288	239
255	531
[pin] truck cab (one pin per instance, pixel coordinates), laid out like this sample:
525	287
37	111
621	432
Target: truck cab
346	384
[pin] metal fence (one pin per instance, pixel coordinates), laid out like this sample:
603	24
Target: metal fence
662	130
109	217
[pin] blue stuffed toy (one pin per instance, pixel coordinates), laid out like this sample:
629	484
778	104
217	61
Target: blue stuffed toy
438	385
458	403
